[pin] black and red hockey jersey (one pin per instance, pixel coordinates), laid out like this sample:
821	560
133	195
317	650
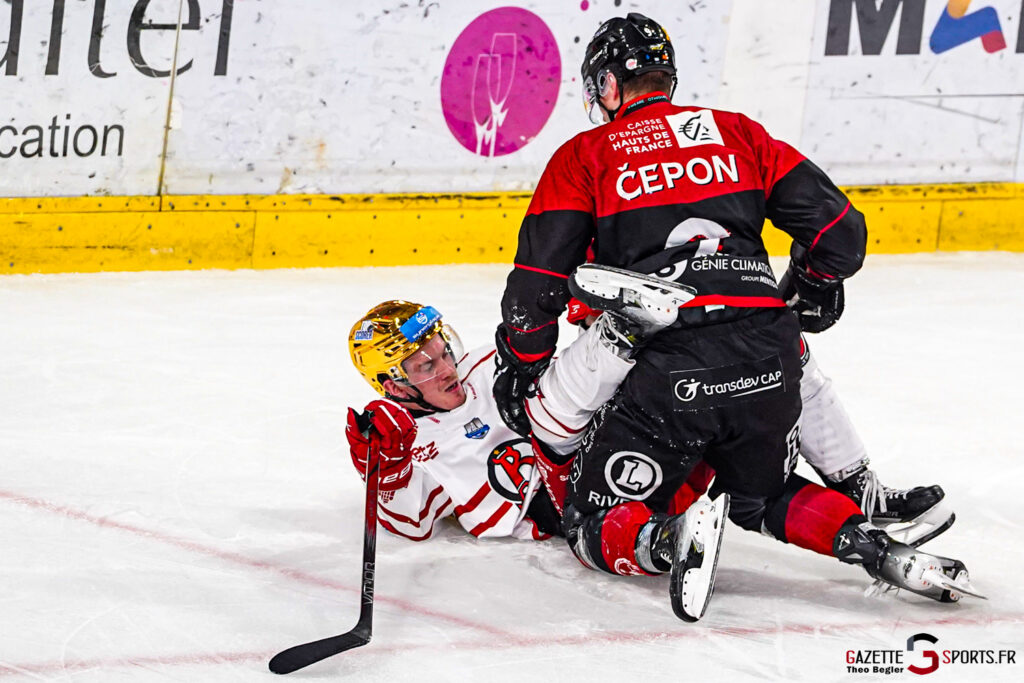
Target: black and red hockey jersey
681	193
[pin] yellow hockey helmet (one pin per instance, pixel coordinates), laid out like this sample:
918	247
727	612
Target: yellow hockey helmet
390	333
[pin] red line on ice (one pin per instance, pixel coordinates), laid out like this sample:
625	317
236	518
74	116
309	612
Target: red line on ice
237	558
44	668
504	641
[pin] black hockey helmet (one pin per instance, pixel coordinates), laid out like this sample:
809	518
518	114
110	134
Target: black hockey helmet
625	47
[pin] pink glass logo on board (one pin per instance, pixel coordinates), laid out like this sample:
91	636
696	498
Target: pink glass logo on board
501	81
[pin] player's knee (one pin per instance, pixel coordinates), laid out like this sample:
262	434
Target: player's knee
814	515
606	540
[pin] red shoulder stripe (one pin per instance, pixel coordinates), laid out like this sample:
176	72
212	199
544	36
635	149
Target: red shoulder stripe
478	364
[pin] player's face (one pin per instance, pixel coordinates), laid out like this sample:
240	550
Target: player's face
434	371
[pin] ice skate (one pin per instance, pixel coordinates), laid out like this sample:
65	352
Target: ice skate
691	542
899	565
912	516
619	334
649	303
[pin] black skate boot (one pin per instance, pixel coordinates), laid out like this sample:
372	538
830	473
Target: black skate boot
912	516
902	566
690	544
647	303
620	334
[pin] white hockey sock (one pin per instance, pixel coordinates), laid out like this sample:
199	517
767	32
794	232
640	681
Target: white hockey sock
828	440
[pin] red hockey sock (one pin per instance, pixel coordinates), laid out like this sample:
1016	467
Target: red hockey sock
619	531
696	485
814	516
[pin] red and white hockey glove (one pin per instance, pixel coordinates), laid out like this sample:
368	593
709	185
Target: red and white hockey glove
396	429
554	472
579	312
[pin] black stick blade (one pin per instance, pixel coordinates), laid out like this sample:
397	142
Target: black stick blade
295	658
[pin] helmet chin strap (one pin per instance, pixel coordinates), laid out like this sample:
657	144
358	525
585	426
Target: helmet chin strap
417	399
611	113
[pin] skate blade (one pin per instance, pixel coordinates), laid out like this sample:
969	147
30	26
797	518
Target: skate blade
922	528
960	585
606	283
879	587
691	593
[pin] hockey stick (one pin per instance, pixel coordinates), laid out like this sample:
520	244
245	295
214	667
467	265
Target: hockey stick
295	658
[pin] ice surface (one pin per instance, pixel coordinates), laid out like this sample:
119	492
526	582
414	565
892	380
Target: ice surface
177	501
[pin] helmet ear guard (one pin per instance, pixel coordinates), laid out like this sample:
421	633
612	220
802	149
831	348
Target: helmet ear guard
597	87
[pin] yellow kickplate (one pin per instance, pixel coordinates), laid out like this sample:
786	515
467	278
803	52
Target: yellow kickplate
87	234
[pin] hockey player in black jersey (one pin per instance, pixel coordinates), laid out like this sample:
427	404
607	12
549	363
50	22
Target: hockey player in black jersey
681	194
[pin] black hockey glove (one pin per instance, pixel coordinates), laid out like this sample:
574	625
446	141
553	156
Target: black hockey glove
515	380
818	303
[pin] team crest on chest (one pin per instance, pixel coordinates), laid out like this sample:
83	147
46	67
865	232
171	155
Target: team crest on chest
476	429
509	468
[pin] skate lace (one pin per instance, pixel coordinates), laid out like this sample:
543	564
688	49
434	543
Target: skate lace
610	330
590	349
875	492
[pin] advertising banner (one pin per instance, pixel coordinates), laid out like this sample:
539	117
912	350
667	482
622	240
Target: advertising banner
325	96
82	95
306	96
915	91
232	97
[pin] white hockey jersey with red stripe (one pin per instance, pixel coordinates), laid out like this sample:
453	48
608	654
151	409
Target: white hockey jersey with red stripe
467	463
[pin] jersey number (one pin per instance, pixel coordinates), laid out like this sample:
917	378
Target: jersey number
684	233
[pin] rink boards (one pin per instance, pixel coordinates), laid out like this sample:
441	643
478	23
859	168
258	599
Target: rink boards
90	234
223	134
